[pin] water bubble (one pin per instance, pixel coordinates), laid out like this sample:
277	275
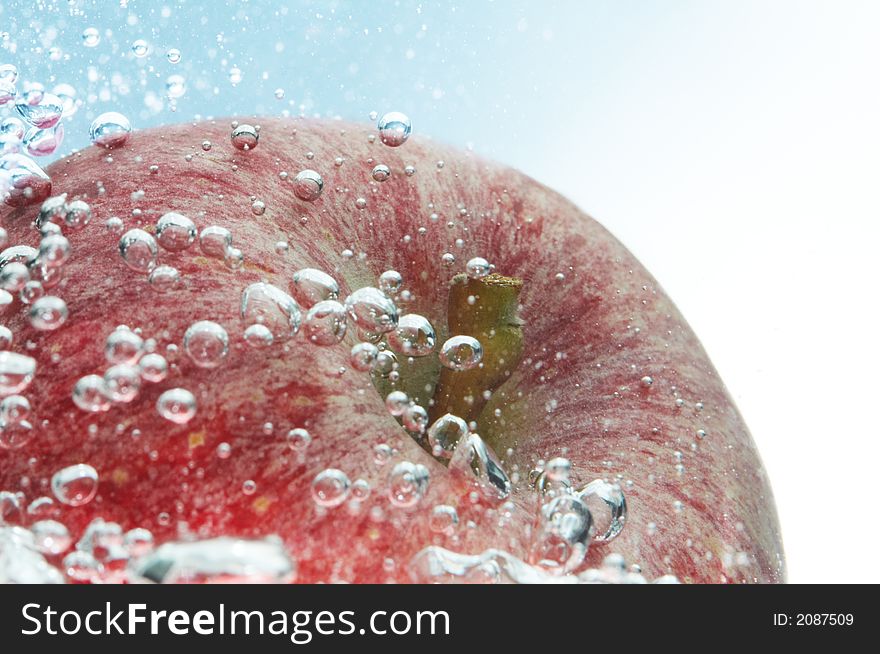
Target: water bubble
563	534
110	130
415	418
51	537
140	48
396	402
394	129
13	276
153	367
363	356
22	181
175	86
122	382
245	137
173	56
215	241
371	310
307	185
443	520
413	337
268	305
461	353
177	405
48	313
123	346
330	488
91	37
75	485
43	142
164	278
139	250
54	250
381	173
326	323
475	460
445	433
477	268
390	282
311	286
78	214
385	363
90	394
298	439
175	232
218	560
258	336
608	506
408	484
44	114
206	343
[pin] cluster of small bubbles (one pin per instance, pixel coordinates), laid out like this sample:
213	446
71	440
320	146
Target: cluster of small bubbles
177	405
445	433
48	313
175	232
326	323
265	304
461	353
139	250
75	485
371	310
164	278
363	356
206	343
110	130
308	185
310	286
394	129
477	268
51	537
245	137
390	282
381	173
408	483
474	460
414	336
330	488
258	336
298	439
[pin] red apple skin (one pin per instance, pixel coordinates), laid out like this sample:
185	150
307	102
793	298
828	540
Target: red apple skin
589	340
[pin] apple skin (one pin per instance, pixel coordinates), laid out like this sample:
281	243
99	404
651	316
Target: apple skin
590	338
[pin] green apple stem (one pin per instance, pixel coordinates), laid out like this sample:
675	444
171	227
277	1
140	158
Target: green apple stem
485	309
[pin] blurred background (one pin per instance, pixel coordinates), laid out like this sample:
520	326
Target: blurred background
733	145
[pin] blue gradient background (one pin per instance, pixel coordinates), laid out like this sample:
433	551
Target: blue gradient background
732	145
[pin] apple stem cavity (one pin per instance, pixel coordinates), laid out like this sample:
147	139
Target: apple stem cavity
486	309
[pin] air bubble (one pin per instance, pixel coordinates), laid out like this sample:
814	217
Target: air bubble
110	130
175	232
330	488
215	241
608	506
461	353
381	173
268	305
371	310
75	485
308	185
206	343
408	484
177	405
477	268
139	250
326	323
414	336
445	434
245	137
48	313
394	129
310	286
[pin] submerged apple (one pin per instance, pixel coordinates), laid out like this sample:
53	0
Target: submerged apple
399	363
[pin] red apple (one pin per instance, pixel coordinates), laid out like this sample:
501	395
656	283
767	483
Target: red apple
585	357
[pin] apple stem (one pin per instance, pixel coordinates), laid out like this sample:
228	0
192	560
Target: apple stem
485	309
